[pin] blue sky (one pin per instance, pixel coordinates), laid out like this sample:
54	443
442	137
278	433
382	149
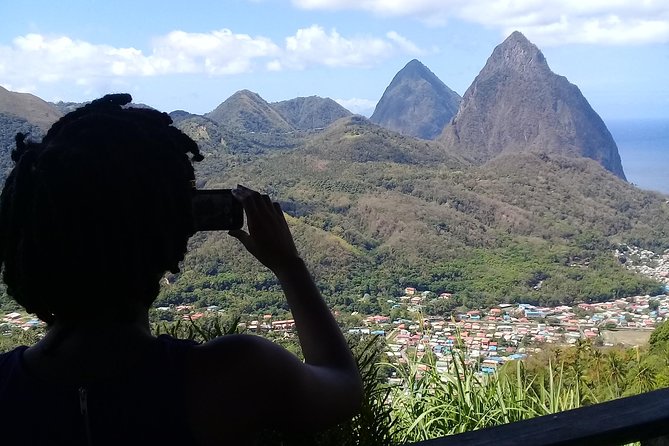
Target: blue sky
194	54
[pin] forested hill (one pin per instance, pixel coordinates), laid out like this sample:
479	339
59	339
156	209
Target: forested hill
525	227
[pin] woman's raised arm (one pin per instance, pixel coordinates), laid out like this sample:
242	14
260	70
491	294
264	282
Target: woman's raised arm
326	388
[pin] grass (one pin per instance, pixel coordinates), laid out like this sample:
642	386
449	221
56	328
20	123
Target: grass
430	404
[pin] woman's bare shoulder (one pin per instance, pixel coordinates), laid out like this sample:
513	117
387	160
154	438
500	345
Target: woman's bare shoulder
243	358
240	346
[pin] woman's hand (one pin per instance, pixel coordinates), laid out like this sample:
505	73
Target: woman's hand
269	238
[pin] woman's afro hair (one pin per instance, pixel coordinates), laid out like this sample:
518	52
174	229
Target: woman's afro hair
97	211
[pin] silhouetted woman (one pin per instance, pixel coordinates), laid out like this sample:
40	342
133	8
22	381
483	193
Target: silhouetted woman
91	218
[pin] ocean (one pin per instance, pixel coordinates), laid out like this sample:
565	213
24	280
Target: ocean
644	151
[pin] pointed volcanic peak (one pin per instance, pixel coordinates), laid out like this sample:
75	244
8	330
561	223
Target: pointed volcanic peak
246	110
416	103
310	113
356	139
517	104
28	107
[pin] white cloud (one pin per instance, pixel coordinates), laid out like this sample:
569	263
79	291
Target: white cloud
385	7
314	46
546	22
36	59
216	53
405	44
274	65
607	30
358	105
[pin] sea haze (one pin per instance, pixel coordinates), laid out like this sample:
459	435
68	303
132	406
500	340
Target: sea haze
644	150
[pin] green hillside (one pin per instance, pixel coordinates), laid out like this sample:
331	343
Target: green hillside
374	211
527	227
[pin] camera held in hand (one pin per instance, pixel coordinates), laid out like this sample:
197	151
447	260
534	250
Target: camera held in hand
216	210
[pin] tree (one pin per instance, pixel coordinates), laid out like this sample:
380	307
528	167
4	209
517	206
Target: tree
440	307
660	335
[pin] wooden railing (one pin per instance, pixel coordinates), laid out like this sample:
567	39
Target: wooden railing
642	418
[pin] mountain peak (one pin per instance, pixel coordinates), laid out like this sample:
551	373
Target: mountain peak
517	104
247	93
247	111
415	66
519	54
28	107
416	103
310	113
519	37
